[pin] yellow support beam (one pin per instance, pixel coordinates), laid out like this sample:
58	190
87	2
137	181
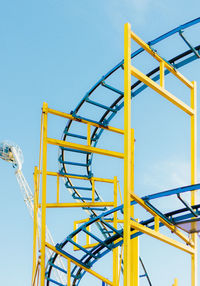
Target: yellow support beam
78	205
194	178
169	226
44	185
162	237
147	48
92	272
85	148
127	153
69	116
166	94
175	282
103	180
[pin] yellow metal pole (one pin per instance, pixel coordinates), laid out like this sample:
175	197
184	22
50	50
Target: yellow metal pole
175	282
34	226
68	272
127	152
162	74
115	250
193	177
134	242
58	189
88	134
44	182
93	190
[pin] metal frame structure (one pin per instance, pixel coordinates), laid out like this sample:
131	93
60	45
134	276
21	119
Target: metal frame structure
114	231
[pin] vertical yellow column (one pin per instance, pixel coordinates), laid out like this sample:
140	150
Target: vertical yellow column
193	177
34	225
68	272
175	282
44	183
127	152
115	250
134	242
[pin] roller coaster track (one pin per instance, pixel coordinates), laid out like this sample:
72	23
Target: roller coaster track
108	233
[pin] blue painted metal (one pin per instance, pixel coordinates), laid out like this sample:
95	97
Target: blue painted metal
74	150
187	205
107	117
108	86
101	105
101	209
115	237
96	238
74	195
57	267
172	192
75	163
76	175
189	45
70	256
82	248
54	281
88	119
78	187
75	135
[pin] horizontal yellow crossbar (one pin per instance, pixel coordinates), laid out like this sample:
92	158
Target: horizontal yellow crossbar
92	272
79	205
87	246
162	237
162	91
147	48
69	116
103	180
170	226
85	148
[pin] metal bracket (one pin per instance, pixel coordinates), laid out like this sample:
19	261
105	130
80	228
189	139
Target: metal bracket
188	44
187	206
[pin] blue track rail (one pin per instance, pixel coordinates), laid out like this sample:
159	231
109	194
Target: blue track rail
84	165
103	247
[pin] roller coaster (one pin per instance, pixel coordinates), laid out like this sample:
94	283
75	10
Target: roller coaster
111	226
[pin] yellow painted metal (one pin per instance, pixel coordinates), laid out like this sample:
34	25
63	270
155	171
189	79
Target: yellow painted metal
69	116
160	59
88	134
170	226
88	236
162	237
85	148
78	205
103	180
120	193
44	183
175	282
58	190
193	178
93	190
162	74
92	272
120	265
131	247
34	227
68	272
134	242
166	94
156	223
135	261
115	250
127	153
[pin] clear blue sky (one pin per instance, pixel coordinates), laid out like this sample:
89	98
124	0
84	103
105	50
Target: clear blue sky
54	51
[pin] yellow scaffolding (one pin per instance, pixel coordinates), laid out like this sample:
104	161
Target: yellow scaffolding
130	249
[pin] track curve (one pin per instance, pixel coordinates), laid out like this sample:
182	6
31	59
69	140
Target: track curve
108	113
